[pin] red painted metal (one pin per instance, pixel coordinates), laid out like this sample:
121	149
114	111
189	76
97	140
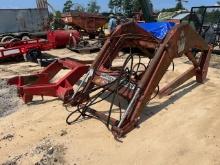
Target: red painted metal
40	83
60	38
138	87
86	21
56	39
21	48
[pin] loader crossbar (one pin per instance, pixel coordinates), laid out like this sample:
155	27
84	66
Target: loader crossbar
136	79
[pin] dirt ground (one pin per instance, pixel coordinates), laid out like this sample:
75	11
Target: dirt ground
179	129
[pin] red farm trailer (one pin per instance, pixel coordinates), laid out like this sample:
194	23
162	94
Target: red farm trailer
87	22
31	49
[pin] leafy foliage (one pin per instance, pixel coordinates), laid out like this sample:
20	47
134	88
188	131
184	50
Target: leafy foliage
78	7
93	7
67	6
127	7
169	10
212	16
115	5
179	6
58	14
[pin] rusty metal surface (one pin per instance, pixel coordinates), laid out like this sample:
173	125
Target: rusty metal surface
135	85
86	46
23	20
86	21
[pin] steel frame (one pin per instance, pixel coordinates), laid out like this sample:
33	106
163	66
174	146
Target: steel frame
182	40
40	83
21	48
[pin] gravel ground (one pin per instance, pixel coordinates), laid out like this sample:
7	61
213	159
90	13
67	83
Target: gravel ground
9	101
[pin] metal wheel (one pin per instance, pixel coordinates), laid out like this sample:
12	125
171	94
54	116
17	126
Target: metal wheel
6	39
33	55
25	38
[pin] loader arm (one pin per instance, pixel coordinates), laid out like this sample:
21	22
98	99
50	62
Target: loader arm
135	80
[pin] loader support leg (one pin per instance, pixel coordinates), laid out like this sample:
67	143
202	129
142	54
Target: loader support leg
167	90
204	64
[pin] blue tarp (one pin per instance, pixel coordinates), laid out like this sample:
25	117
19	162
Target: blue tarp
158	29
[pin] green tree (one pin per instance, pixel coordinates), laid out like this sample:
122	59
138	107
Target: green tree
212	16
111	5
168	10
67	6
58	14
119	5
128	6
55	20
136	7
116	6
78	7
179	5
93	7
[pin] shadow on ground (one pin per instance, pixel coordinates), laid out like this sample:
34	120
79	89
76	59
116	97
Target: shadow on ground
150	111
